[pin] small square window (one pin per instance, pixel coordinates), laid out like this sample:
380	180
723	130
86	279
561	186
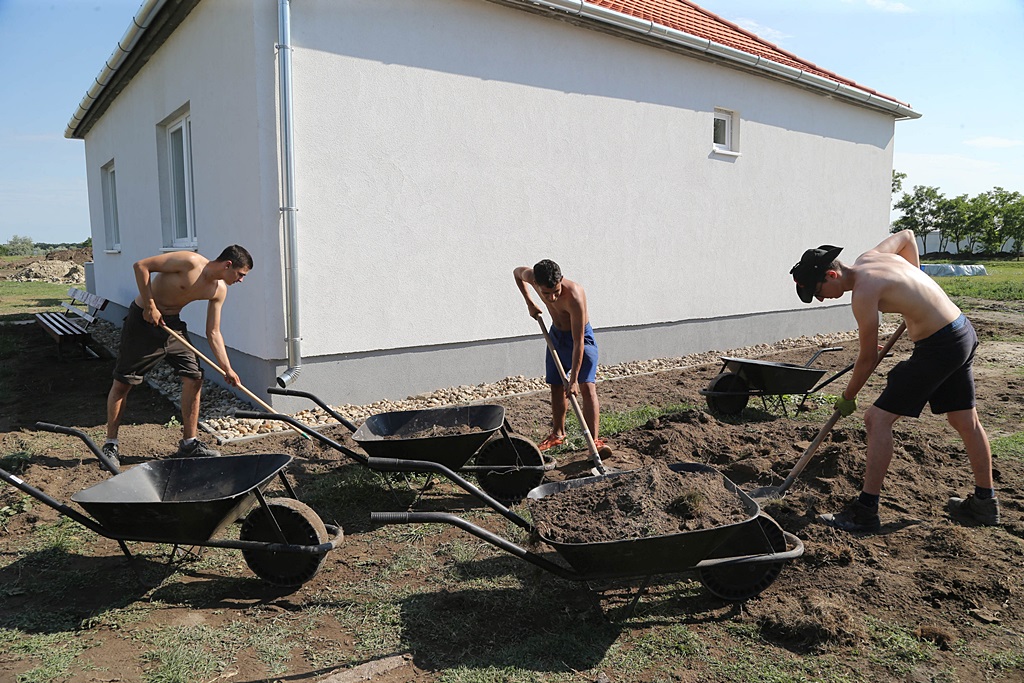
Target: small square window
725	131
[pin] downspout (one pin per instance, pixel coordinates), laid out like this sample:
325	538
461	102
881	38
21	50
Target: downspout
288	209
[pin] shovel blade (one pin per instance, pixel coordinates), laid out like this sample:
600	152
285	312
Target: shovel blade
766	493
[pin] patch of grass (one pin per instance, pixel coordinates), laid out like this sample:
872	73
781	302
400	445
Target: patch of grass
12	510
181	655
896	648
1004	282
612	423
8	343
1003	662
57	654
20	300
1009	446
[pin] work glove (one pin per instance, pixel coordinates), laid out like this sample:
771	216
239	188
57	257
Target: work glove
846	406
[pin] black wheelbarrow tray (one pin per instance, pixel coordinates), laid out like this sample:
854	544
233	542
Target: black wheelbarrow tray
507	466
188	501
734	562
741	378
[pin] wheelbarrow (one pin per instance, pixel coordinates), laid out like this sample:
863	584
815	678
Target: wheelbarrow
734	562
741	378
188	501
507	466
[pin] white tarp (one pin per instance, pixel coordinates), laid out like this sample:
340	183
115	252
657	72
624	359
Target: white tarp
947	269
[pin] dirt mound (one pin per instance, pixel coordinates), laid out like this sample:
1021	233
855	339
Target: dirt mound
652	501
51	271
76	255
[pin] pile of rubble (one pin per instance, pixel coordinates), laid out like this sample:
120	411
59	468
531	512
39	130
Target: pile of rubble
67	272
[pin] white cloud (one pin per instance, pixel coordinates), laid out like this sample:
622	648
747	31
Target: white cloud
993	143
882	5
770	34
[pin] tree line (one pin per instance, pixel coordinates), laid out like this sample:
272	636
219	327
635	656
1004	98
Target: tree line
20	245
988	223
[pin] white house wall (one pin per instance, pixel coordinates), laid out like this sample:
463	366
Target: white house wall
220	63
440	144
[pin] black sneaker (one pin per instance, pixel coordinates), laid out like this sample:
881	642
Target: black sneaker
196	449
110	450
856	516
982	511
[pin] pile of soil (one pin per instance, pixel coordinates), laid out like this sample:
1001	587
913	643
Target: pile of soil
77	255
418	430
651	501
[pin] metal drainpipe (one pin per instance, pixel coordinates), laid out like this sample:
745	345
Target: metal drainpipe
288	210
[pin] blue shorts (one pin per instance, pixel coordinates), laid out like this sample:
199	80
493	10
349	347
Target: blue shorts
562	342
938	372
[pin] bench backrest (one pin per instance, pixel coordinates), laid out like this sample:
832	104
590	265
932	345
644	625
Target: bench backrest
93	303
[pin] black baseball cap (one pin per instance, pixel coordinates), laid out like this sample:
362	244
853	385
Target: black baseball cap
811	270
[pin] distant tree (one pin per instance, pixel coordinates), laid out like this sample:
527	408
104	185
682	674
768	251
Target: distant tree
1004	207
20	246
897	181
920	211
951	221
87	244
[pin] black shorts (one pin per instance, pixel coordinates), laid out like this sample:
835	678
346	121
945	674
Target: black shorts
939	372
144	344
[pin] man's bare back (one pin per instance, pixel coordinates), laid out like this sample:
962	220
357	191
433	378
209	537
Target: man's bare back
886	282
179	282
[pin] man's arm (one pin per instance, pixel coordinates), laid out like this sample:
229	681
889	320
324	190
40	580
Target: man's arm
578	321
524	276
174	262
904	244
214	337
865	310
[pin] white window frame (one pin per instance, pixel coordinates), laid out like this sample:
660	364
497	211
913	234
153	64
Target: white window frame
725	132
111	229
180	184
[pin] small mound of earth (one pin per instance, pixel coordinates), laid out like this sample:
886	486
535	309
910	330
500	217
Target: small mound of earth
420	431
651	501
51	271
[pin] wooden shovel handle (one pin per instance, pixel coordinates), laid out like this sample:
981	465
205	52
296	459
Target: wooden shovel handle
216	367
588	437
823	432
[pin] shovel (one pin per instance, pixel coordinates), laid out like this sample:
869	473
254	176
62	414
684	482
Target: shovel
773	492
595	454
217	368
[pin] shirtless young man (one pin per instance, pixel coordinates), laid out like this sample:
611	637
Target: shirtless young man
573	339
888	279
167	283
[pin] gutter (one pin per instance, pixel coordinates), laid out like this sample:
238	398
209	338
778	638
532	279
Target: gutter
140	22
288	210
648	29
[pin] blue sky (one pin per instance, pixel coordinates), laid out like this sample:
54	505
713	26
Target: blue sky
958	62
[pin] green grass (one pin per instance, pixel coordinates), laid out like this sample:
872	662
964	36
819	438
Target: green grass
1009	446
19	300
612	423
1004	282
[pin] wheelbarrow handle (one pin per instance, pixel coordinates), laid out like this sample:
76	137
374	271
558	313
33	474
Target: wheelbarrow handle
315	399
107	463
821	351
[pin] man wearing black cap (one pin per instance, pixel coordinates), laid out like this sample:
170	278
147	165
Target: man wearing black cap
888	279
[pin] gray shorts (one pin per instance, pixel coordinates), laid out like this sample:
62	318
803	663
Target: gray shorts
143	345
939	372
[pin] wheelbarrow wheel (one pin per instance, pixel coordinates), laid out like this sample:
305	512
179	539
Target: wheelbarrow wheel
743	581
511	485
300	525
730	383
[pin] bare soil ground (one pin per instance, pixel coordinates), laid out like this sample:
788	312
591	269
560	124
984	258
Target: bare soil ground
956	588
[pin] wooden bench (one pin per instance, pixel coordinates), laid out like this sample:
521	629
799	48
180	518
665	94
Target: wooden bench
72	324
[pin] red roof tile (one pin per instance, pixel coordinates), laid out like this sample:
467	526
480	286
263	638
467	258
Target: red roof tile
687	17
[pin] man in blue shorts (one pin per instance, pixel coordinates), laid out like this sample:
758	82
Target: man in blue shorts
888	279
573	339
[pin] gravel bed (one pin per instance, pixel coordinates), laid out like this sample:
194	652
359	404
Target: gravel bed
218	405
